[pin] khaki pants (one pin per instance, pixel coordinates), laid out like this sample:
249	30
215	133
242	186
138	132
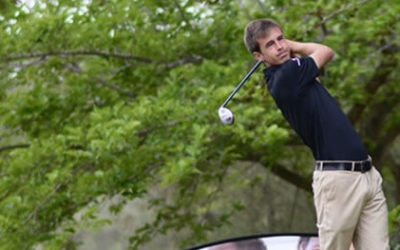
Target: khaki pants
351	207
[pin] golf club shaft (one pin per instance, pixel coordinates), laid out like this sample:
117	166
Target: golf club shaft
244	80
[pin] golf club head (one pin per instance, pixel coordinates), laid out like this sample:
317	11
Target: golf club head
226	116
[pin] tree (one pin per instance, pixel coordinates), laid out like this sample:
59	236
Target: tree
105	98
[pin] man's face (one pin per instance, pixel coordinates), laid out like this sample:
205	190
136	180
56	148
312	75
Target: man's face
274	48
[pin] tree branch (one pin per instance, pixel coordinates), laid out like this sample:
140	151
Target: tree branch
42	203
186	60
262	6
322	25
21	66
293	178
182	12
11	147
340	11
193	59
395	169
245	10
104	83
379	79
284	173
376	120
77	53
384	143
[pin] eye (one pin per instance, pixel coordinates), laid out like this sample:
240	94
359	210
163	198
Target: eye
280	38
269	44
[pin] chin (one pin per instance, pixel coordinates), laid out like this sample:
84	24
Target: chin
280	61
284	60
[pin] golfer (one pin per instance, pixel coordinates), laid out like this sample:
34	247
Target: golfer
348	196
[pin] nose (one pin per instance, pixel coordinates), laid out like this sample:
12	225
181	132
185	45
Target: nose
278	45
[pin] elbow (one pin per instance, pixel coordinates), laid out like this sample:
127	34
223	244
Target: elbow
323	55
331	54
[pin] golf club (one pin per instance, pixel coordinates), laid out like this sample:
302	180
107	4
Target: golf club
225	115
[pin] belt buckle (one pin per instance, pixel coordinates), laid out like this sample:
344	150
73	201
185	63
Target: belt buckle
364	167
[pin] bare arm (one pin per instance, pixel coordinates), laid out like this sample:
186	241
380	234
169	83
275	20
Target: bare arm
320	53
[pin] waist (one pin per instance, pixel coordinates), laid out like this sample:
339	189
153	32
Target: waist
357	166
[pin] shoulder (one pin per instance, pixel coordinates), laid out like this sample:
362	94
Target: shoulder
289	69
292	70
298	63
300	69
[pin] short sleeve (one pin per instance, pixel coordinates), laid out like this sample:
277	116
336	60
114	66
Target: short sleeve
298	73
303	70
294	77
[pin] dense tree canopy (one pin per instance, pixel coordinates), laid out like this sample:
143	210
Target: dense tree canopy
119	97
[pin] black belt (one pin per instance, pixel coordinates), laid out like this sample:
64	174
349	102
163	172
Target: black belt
358	166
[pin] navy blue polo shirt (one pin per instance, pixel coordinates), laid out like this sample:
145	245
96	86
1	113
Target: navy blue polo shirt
312	112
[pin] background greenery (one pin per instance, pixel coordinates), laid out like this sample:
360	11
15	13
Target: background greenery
110	102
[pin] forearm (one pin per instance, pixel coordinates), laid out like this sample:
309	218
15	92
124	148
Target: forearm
305	49
320	53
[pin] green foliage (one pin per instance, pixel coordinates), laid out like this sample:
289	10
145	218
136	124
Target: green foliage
394	226
394	220
117	98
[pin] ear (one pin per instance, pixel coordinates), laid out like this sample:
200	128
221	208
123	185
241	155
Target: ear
258	56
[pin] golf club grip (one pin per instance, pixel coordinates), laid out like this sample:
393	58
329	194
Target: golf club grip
244	80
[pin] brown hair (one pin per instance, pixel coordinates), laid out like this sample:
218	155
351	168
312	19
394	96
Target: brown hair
257	29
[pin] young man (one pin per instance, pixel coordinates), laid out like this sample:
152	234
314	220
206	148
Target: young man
348	196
